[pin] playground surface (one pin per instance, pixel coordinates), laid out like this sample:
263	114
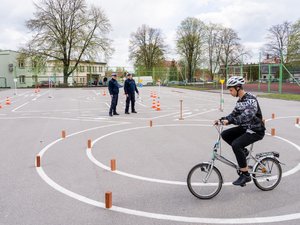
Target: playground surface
153	152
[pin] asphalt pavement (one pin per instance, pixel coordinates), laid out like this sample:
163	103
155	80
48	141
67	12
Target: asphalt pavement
153	152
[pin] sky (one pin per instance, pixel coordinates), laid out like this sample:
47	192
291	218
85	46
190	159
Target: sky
249	18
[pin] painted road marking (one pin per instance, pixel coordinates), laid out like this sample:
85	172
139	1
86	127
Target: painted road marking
84	199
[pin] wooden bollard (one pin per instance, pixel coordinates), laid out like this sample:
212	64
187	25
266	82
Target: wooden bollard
89	143
273	131
273	115
151	123
108	200
181	117
113	165
63	134
38	161
297	120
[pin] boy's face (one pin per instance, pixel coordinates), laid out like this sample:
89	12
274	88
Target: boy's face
232	91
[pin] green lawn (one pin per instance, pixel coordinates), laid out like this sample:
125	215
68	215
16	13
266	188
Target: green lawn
292	97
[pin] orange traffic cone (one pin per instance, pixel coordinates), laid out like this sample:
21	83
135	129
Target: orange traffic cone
158	106
7	102
153	104
104	93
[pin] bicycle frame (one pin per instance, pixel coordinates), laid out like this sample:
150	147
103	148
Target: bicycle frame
219	157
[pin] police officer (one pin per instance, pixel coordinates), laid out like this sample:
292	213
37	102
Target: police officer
130	89
113	88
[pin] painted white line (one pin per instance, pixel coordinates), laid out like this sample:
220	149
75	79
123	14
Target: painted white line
89	201
19	107
197	114
142	104
54	118
96	162
39	95
165	115
259	220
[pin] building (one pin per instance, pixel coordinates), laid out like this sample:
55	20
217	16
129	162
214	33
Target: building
8	61
16	69
87	73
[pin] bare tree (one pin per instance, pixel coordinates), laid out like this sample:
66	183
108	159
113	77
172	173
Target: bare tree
277	40
190	41
232	51
68	30
214	47
147	48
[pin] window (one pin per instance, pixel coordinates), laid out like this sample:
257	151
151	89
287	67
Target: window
100	69
21	63
22	79
81	68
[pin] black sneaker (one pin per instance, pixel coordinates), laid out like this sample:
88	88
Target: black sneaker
242	180
116	114
134	111
127	113
110	114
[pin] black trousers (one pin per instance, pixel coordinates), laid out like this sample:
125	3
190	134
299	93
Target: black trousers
238	138
130	98
114	103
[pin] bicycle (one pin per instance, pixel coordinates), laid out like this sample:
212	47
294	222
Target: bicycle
205	180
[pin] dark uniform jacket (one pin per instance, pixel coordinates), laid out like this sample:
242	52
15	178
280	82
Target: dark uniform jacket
130	87
247	114
113	87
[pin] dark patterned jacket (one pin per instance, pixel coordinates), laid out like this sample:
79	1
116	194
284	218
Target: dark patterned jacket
247	114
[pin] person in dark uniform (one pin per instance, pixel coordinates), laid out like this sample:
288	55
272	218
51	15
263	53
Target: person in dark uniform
130	89
113	88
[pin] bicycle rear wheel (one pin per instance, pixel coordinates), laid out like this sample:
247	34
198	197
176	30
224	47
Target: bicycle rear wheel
204	181
267	174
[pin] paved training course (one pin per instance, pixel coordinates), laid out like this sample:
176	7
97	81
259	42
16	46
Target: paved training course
153	152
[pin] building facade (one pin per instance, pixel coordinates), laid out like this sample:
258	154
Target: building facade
15	69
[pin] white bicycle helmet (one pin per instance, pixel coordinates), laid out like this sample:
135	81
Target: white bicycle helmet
235	81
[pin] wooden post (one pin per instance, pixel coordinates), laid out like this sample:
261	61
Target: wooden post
150	123
297	120
273	131
273	115
181	118
113	165
63	134
38	161
108	200
89	143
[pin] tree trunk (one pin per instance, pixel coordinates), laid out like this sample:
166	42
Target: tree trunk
66	75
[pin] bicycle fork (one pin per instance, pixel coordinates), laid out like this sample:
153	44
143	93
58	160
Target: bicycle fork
211	166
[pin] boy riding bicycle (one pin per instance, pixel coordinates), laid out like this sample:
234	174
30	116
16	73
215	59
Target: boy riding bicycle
250	127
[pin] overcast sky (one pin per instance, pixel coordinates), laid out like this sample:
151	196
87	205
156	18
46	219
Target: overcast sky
249	18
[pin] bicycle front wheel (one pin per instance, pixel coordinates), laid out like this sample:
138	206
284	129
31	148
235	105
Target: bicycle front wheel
267	174
204	181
